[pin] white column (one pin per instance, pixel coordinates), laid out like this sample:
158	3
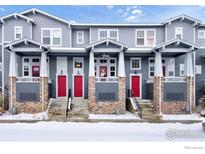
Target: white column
188	65
43	70
158	65
12	64
91	64
121	65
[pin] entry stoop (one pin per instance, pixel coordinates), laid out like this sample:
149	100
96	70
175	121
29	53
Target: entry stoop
79	110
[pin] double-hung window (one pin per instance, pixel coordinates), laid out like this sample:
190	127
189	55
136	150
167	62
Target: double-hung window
26	67
51	36
108	33
112	67
18	32
145	37
80	37
179	32
201	34
135	63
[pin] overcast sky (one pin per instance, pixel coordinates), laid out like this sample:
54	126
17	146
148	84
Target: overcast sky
113	14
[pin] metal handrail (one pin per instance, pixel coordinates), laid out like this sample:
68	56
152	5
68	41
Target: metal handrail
68	107
131	95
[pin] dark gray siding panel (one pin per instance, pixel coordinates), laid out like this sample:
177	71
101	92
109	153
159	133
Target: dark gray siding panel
27	92
9	28
52	75
175	91
106	91
188	32
47	22
74	38
149	92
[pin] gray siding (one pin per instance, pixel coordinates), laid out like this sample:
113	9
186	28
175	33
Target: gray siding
27	92
47	22
9	28
6	67
74	38
200	42
188	32
0	34
127	34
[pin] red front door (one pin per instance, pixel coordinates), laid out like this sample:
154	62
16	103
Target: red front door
135	86
62	86
78	86
103	71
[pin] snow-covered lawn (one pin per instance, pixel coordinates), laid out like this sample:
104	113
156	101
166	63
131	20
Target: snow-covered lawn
183	117
68	131
23	116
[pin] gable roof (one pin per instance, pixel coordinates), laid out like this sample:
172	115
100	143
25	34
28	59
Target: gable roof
107	41
182	17
26	40
33	10
175	41
16	15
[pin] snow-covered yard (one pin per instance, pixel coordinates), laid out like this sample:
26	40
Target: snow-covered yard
68	131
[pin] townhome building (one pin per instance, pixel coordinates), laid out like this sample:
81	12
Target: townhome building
45	57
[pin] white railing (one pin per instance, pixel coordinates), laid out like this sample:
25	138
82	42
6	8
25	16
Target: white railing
27	79
106	79
150	80
174	79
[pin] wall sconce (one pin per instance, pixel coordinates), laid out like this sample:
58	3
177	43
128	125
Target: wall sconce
135	72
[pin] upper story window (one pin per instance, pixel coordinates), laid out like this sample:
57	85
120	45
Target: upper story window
17	32
179	32
108	33
145	37
201	34
80	37
135	63
51	36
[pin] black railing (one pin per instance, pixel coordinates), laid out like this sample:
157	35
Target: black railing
130	95
68	107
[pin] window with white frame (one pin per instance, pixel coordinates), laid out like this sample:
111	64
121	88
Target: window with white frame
151	67
0	66
201	34
18	32
51	36
80	37
181	69
108	33
78	66
179	32
112	68
145	37
135	63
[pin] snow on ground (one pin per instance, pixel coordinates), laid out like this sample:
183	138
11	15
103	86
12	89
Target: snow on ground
182	117
126	116
23	116
69	131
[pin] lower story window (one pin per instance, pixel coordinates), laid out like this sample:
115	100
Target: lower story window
26	71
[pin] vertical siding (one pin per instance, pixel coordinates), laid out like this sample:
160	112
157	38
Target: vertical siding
9	28
188	33
127	34
43	21
74	38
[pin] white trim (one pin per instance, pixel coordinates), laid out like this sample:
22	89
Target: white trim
194	31
78	58
21	32
135	58
122	24
180	69
2	59
145	37
73	75
77	37
31	31
108	33
70	38
181	32
51	36
140	75
90	33
198	36
19	15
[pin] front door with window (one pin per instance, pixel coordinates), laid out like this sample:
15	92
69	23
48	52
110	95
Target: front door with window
62	86
103	71
35	71
78	88
135	85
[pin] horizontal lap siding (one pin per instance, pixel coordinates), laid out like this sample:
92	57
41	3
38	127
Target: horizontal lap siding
74	38
188	32
43	21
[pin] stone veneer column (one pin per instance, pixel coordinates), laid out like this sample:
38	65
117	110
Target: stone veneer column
190	93
91	93
157	94
122	95
44	92
12	93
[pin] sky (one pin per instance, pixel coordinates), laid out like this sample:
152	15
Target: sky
112	13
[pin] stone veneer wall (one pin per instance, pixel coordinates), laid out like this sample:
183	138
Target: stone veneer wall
157	94
28	107
107	107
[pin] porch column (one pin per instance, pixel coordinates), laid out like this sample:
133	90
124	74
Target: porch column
157	84
189	73
43	81
91	83
121	108
12	81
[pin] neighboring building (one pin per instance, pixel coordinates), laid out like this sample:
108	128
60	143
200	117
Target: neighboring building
44	56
